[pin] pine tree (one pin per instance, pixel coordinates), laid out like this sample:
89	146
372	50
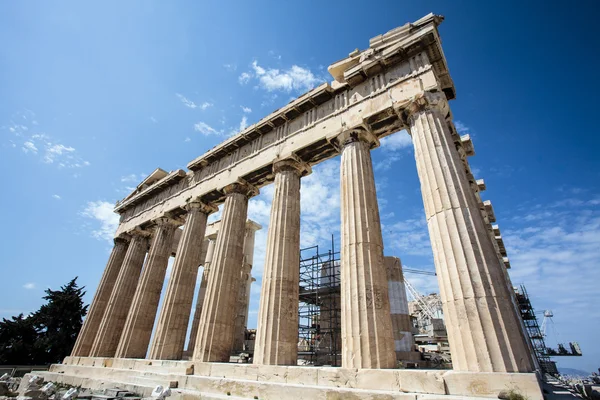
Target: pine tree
59	320
49	334
17	339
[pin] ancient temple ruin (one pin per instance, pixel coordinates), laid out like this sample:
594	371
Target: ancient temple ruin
401	81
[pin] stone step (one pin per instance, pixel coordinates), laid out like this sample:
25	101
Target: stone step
219	388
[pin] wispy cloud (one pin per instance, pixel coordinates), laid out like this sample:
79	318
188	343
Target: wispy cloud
190	104
133	178
461	128
393	147
243	125
230	67
29	285
57	197
107	221
40	144
206	129
244	78
295	78
247	110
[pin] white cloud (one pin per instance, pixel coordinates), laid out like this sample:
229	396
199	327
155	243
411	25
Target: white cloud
187	139
38	143
230	67
29	285
295	78
53	151
396	141
29	147
132	178
154	120
206	129
461	128
247	110
392	146
190	104
102	213
243	125
244	78
57	197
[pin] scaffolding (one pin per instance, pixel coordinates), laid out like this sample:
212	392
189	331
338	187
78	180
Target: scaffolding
319	330
535	333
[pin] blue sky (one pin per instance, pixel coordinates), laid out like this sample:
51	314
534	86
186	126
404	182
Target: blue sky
96	96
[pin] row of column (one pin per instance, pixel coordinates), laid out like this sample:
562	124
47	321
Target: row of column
482	324
122	314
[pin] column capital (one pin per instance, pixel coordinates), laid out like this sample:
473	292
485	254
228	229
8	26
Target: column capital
426	101
122	238
358	135
139	232
241	187
199	205
168	221
294	164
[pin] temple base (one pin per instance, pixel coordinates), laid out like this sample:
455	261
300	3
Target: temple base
189	379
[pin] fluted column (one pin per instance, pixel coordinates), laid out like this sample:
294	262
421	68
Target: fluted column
112	324
140	320
367	338
169	338
201	294
277	333
217	321
92	321
483	327
244	289
403	339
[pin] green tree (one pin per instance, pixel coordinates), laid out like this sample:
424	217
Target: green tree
17	339
49	334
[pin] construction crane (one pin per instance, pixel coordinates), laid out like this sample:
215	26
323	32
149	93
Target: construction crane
427	310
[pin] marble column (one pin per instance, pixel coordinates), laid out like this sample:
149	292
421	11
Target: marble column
142	313
111	327
277	333
92	321
367	338
483	326
401	326
169	338
244	290
201	294
217	321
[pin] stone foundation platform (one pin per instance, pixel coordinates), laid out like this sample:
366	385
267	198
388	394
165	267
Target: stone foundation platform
192	380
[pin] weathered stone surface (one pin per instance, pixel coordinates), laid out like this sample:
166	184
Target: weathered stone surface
201	294
401	325
485	384
217	323
246	279
92	321
169	339
367	338
142	313
277	332
112	324
483	327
